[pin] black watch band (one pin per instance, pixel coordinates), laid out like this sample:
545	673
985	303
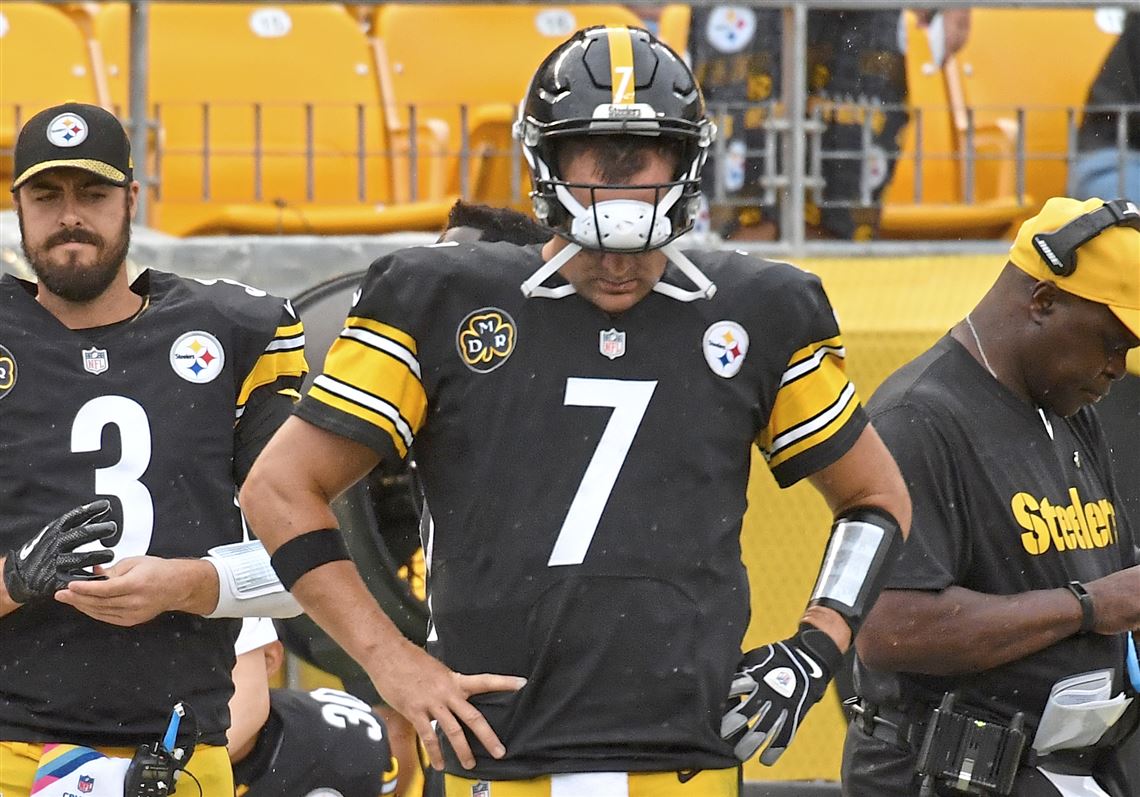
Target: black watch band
1088	610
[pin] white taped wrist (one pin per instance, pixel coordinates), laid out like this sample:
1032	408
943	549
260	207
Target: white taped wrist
247	584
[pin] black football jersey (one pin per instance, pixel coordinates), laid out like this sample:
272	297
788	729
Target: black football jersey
324	742
586	476
1006	500
161	414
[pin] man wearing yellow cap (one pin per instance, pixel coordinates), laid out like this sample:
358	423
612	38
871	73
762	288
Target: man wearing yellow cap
999	658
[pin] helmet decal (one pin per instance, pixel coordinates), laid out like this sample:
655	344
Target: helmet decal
621	66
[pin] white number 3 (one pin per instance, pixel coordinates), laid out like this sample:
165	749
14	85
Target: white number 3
121	479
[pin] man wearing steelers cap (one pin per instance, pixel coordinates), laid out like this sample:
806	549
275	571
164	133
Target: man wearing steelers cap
119	462
1021	567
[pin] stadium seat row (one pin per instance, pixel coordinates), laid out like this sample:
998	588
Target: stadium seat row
327	118
291	119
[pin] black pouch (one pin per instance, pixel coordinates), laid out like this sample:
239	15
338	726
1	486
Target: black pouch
961	754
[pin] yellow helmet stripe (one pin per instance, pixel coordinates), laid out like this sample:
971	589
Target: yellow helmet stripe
621	65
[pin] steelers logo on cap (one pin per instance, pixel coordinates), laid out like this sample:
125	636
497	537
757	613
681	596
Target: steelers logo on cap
67	130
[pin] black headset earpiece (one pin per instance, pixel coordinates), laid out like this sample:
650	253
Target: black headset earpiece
1059	248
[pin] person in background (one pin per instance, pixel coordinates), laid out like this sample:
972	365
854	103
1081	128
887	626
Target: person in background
1102	165
856	72
290	743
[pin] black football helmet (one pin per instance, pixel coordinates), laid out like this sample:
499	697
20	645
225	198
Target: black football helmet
615	81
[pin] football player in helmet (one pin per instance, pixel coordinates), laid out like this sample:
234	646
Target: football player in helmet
583	414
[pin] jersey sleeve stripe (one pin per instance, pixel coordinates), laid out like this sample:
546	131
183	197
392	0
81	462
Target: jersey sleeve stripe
814	430
272	365
802	366
384	330
381	373
289	343
814	391
365	406
384	344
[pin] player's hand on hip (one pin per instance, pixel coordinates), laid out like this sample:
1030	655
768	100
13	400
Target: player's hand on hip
49	561
138	589
773	689
425	691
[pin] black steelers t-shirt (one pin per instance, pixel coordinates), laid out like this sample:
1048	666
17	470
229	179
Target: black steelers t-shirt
1006	500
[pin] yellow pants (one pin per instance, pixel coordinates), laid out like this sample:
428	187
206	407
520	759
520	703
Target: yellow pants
709	783
209	764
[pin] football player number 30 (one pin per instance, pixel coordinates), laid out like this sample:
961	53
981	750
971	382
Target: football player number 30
122	478
629	400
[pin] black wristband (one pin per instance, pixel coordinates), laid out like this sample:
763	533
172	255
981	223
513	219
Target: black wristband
307	552
1088	610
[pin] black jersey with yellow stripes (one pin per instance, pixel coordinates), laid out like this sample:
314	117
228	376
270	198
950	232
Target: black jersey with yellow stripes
151	414
586	475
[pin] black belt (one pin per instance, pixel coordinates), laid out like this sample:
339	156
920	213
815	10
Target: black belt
888	724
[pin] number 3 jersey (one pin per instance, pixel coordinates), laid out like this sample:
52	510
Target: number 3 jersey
586	475
161	414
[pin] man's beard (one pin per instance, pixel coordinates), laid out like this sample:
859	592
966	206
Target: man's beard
69	280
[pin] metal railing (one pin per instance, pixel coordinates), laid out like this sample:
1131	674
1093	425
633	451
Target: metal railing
791	147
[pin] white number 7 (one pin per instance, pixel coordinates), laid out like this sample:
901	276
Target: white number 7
626	73
629	400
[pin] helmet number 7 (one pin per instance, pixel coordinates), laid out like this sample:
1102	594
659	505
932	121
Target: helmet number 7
629	400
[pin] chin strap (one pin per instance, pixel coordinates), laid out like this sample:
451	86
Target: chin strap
705	288
533	285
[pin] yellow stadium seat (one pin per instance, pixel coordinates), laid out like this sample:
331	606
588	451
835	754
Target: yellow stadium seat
440	57
673	26
1042	59
268	120
31	77
928	196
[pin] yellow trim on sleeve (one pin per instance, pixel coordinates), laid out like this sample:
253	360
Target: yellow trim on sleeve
271	366
817	437
397	335
363	413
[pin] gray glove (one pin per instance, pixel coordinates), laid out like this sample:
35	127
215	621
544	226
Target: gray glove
49	562
773	689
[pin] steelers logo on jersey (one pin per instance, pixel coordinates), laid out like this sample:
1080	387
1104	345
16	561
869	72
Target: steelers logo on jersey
7	372
485	339
197	357
725	345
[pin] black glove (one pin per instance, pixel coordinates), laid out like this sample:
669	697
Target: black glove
48	562
773	689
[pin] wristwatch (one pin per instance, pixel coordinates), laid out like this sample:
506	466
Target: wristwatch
1088	610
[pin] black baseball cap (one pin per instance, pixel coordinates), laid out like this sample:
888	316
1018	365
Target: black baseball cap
74	135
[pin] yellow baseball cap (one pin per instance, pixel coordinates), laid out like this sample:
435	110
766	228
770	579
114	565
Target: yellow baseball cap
1107	269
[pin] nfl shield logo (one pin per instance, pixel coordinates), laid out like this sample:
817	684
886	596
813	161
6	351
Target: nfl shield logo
86	784
481	789
95	360
611	343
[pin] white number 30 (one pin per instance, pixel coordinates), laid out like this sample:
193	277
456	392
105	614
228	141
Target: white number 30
341	709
